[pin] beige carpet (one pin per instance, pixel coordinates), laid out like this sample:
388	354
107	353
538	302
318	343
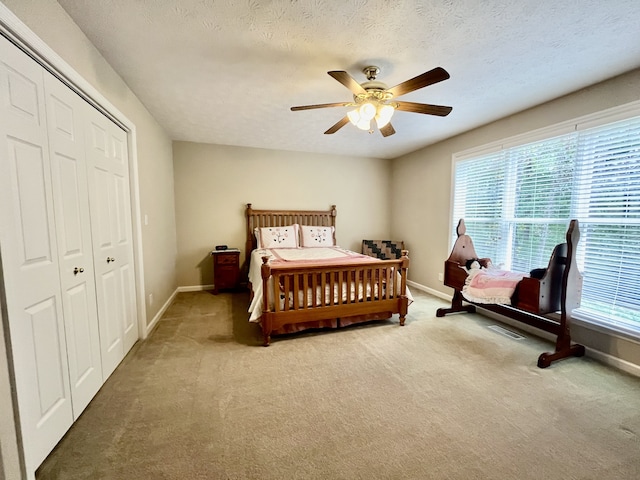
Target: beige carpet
440	398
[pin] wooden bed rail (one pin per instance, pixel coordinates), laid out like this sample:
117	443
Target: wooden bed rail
317	292
546	303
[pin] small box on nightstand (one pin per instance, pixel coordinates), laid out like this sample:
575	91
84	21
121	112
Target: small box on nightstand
226	269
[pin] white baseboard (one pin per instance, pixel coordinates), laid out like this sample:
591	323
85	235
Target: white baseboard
615	362
428	290
158	315
195	288
167	304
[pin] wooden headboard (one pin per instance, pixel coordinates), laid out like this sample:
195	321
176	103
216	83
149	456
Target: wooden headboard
282	218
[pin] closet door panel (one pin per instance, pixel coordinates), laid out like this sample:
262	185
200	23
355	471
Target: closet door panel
44	321
104	213
124	247
21	96
27	169
73	230
121	217
110	313
129	306
80	302
29	261
109	298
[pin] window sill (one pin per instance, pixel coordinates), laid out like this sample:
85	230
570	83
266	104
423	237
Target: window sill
606	326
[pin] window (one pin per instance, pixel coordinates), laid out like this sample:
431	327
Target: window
517	202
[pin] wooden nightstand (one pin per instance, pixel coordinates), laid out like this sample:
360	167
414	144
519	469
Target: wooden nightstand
226	269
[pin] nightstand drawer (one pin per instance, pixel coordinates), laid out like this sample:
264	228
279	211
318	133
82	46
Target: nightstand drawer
226	258
225	270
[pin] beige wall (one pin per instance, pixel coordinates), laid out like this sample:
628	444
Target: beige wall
155	158
422	181
213	184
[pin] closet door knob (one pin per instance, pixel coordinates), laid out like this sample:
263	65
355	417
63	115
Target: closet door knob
110	259
78	270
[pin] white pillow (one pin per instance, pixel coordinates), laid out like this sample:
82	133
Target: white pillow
317	236
279	237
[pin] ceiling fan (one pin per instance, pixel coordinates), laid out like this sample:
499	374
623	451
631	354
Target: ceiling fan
374	101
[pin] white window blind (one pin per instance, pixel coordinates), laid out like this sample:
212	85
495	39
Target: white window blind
608	204
517	203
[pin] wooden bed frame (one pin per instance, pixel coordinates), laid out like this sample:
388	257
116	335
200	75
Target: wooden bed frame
535	302
386	276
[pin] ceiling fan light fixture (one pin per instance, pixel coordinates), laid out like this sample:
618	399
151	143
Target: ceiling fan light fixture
367	111
384	114
361	117
354	116
357	120
364	124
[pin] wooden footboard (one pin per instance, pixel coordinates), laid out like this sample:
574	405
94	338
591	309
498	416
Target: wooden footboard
297	294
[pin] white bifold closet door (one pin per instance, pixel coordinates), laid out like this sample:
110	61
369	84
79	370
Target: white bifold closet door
108	181
66	246
73	232
30	266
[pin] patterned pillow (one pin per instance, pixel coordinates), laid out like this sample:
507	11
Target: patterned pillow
317	236
279	237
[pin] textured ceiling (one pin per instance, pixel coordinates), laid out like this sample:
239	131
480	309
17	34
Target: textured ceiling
228	71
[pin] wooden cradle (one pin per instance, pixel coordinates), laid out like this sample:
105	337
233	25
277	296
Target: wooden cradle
546	303
386	279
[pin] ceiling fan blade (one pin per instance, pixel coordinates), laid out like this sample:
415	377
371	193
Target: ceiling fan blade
439	110
338	125
436	75
348	81
321	105
387	130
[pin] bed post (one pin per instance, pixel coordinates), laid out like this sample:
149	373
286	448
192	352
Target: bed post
462	249
265	320
404	300
569	300
248	248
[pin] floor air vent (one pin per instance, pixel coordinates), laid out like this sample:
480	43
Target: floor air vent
505	332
